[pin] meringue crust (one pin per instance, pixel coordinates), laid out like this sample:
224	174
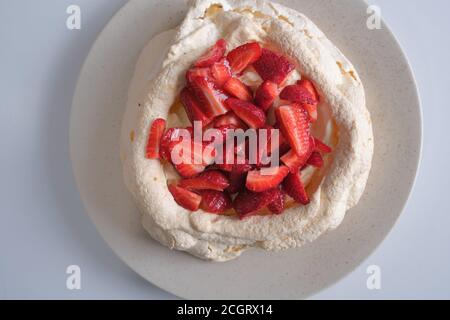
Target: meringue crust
333	191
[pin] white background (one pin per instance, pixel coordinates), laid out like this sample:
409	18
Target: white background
43	227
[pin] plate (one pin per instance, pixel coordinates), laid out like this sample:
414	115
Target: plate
97	111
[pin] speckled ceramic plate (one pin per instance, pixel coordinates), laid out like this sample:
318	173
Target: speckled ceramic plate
97	112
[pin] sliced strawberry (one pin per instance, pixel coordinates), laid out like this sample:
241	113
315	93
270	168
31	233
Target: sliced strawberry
265	179
211	98
185	198
294	187
188	170
243	56
309	86
277	205
220	72
248	203
253	116
237	89
209	180
293	161
197	72
297	93
312	111
315	160
170	139
215	201
273	67
266	94
192	107
294	123
322	147
237	181
214	54
156	132
227	119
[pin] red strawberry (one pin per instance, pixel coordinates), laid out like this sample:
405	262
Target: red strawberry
294	124
272	66
185	198
190	158
189	170
215	201
156	131
192	107
237	181
211	180
266	95
309	86
294	187
227	119
171	138
265	179
237	89
243	56
211	98
322	147
312	111
297	93
277	205
248	203
220	72
315	160
293	161
213	55
253	116
197	72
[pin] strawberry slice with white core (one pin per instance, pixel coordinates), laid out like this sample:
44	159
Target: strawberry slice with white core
214	54
185	198
156	132
220	72
293	161
209	180
266	94
295	126
243	56
209	96
312	111
198	72
192	107
237	89
273	66
265	179
294	187
253	116
297	93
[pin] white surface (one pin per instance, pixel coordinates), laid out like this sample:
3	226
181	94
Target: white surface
42	229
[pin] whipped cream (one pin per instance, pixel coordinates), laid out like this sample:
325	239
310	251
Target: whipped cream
344	123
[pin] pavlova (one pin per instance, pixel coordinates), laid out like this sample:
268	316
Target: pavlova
255	133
